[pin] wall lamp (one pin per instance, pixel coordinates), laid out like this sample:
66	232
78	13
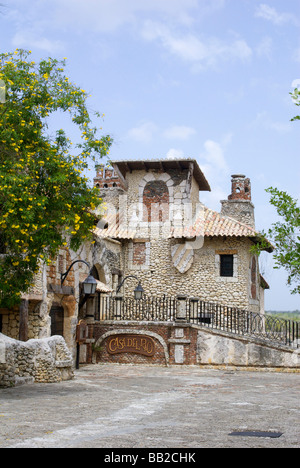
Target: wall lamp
89	284
138	292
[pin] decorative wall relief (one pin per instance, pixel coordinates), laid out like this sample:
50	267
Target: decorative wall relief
182	256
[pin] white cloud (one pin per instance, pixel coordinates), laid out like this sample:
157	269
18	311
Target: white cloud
296	83
109	15
191	48
31	25
296	55
32	40
271	14
174	153
214	155
264	48
143	132
178	132
215	168
263	120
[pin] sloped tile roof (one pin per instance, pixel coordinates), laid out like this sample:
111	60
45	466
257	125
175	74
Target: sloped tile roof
209	223
115	229
218	225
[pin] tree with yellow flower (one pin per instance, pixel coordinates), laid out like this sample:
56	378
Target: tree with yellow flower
45	200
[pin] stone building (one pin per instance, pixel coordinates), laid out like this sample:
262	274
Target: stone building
156	231
174	244
51	308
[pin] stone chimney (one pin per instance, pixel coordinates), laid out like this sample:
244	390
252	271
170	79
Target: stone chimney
239	205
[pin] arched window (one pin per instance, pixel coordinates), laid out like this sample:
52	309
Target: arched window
156	201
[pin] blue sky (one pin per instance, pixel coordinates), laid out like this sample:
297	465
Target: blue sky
205	79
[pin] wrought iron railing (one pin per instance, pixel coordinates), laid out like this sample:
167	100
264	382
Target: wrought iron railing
147	309
208	314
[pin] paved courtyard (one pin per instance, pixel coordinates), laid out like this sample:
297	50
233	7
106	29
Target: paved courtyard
123	406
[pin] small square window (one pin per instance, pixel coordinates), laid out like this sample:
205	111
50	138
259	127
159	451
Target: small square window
226	265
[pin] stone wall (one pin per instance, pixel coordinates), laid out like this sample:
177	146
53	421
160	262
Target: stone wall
37	323
223	349
241	210
44	361
159	276
184	344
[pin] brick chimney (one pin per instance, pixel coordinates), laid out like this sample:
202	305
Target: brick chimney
240	188
239	205
106	179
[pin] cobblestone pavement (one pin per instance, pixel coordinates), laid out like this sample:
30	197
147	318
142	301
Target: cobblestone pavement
124	406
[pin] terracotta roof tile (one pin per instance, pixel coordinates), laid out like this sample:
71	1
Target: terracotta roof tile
209	223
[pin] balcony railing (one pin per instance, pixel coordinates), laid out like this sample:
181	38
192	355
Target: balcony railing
195	311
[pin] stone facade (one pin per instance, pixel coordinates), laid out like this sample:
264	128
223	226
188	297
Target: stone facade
203	279
154	228
174	244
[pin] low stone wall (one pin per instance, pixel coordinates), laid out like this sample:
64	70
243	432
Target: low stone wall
219	349
169	343
45	361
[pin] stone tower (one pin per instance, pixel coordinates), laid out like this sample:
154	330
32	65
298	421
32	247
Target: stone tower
239	205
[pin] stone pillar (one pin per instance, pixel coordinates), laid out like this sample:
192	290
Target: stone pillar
181	308
24	314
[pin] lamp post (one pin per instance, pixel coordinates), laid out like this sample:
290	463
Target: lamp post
138	292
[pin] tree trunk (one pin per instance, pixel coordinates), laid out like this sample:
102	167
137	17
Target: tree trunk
23	327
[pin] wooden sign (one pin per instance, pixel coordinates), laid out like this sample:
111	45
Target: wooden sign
139	344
